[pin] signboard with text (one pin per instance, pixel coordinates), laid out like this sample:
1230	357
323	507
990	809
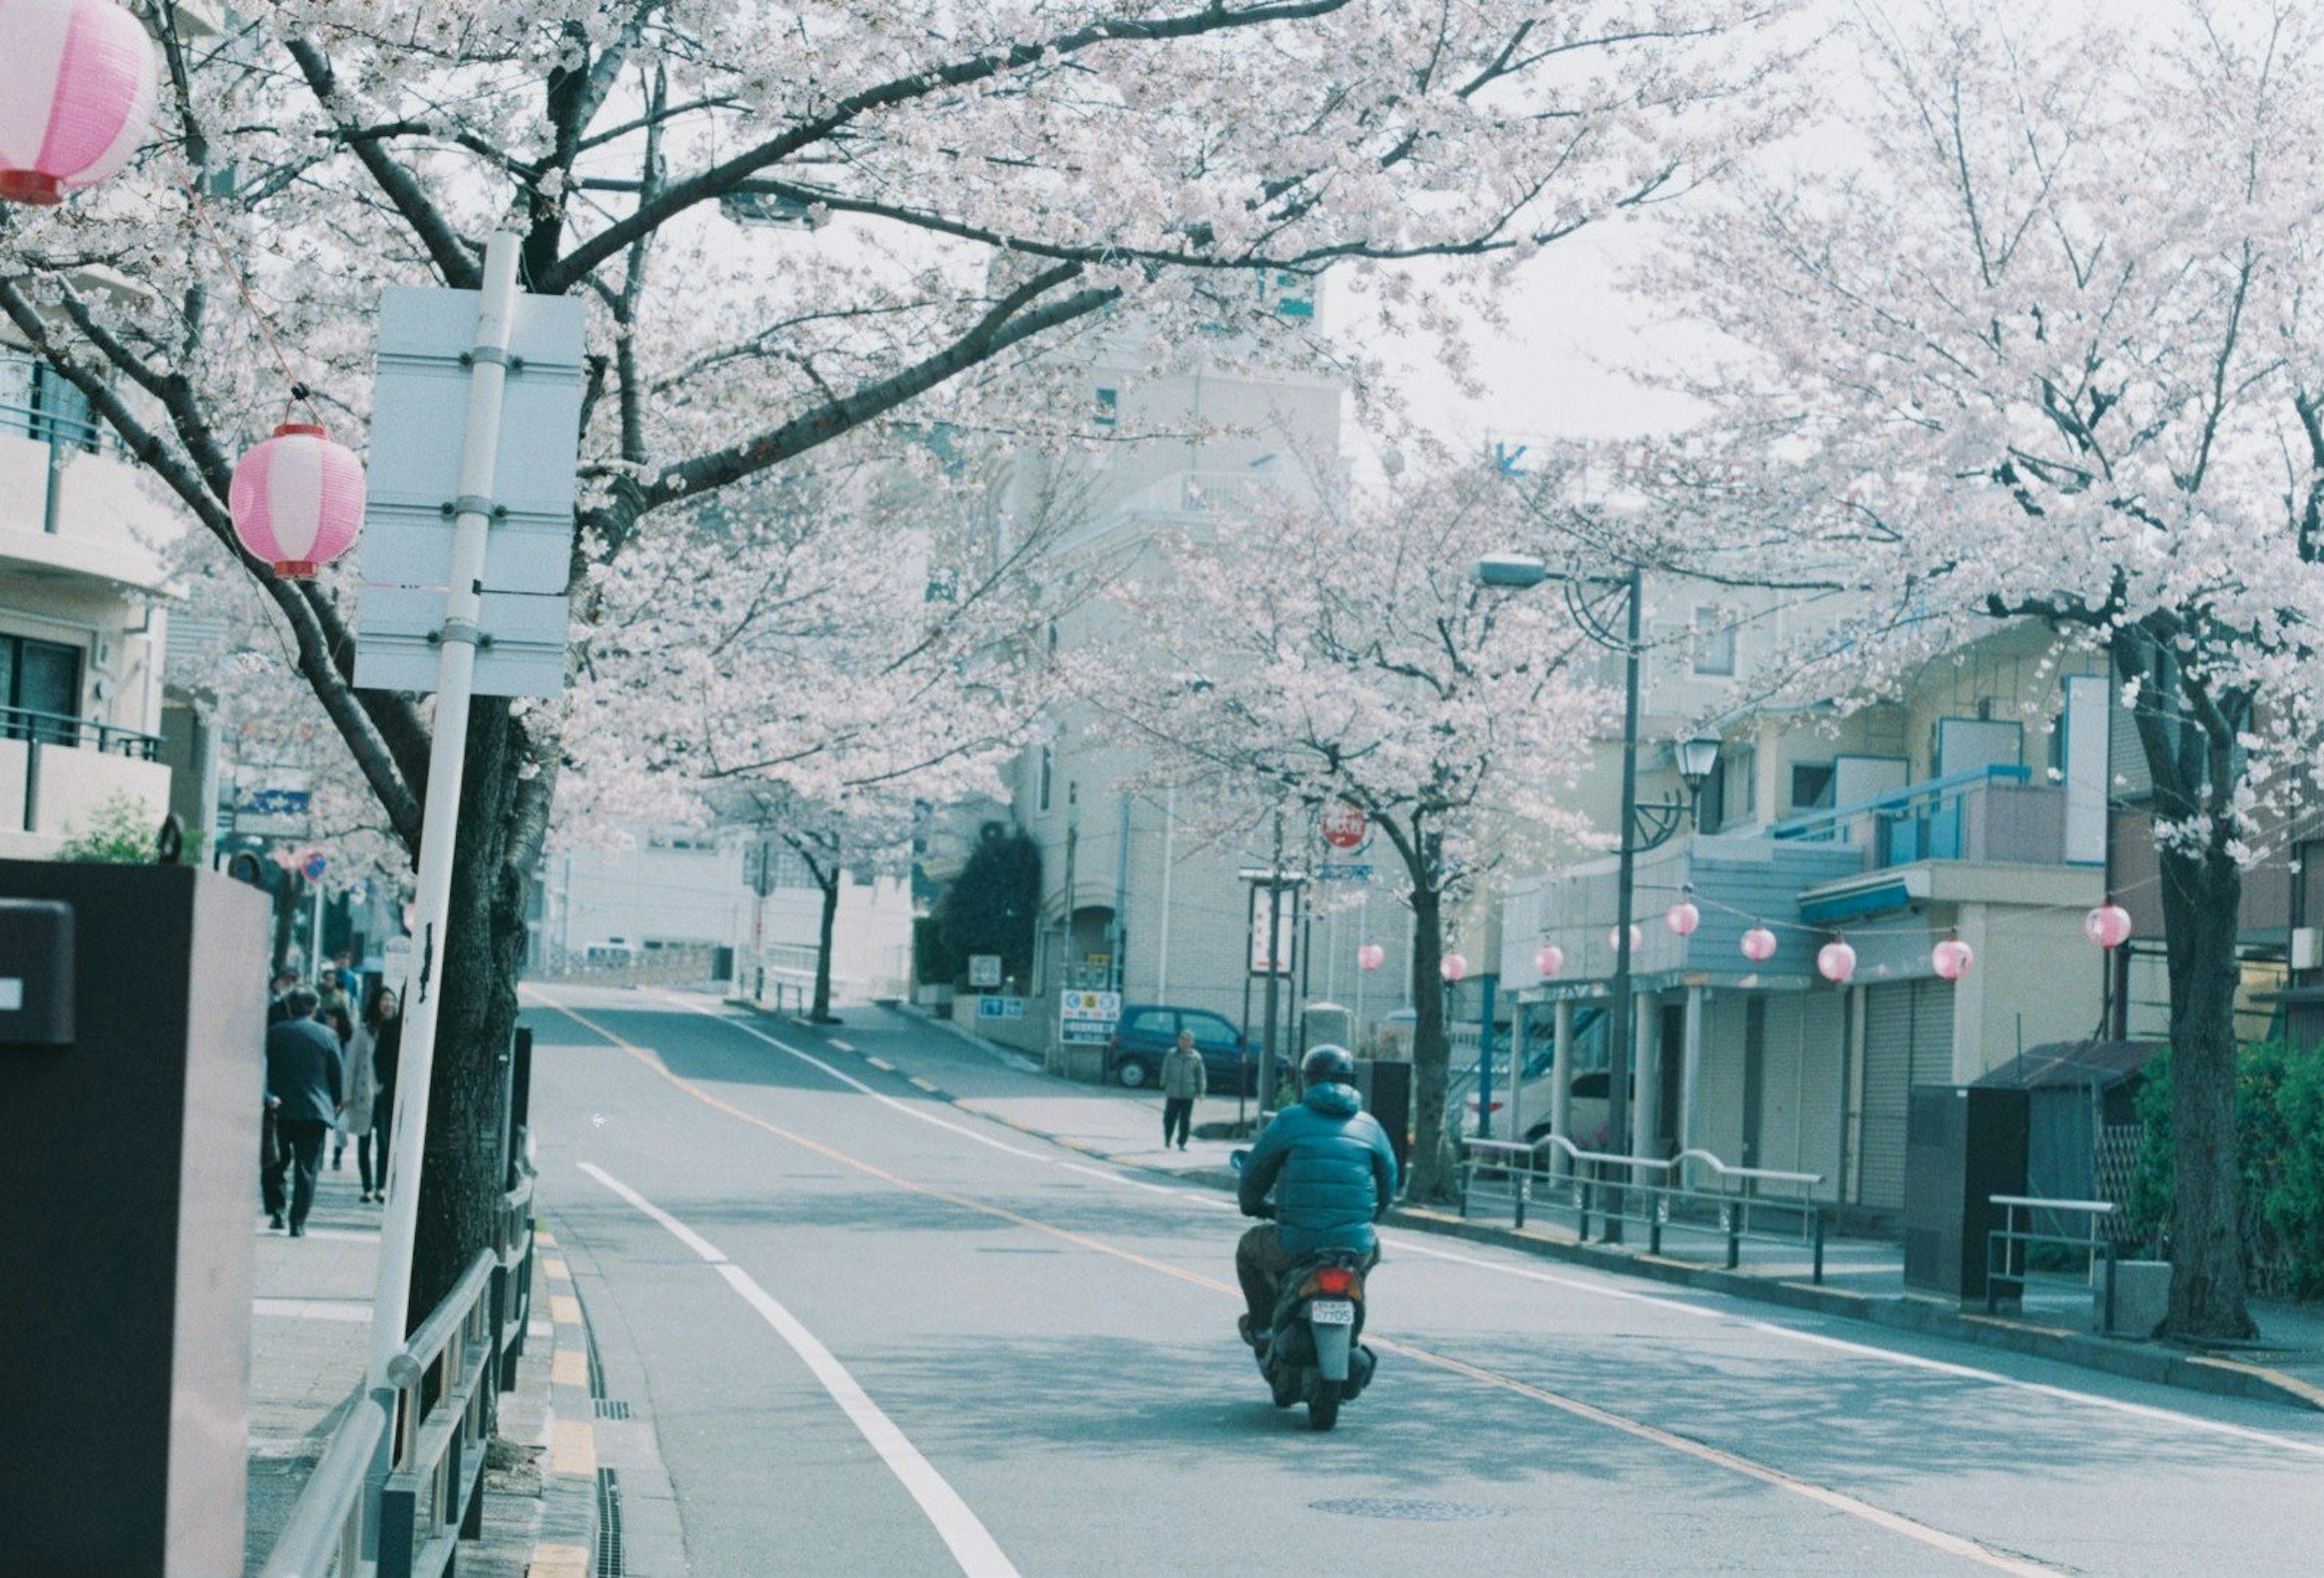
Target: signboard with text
984	969
1000	1008
1085	1017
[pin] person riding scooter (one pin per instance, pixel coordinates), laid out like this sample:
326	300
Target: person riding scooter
1333	1174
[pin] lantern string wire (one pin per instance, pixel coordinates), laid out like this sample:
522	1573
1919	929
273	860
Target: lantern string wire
2294	831
300	393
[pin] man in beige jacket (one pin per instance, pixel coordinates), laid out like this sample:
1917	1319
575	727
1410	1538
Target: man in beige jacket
1184	1082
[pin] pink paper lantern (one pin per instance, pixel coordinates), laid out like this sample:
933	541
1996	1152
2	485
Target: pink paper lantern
1550	960
1683	918
1452	967
1759	945
1951	959
1614	938
2108	925
297	499
1371	956
1836	962
77	81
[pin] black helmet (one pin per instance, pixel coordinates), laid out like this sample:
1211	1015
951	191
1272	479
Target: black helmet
1327	1065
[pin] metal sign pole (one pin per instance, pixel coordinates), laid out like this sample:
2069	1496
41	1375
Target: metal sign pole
447	762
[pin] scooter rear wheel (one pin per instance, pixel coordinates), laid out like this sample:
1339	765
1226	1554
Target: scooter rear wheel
1323	1405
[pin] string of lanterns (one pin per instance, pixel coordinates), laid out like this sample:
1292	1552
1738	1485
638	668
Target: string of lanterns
2108	927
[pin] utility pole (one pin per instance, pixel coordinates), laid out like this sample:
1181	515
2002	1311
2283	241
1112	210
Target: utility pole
1274	966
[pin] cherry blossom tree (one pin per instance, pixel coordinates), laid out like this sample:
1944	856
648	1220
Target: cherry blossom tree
2048	347
1336	648
823	655
977	179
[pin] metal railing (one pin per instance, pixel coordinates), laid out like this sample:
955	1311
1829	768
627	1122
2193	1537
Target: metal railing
1923	821
57	728
2007	1247
443	1393
36	404
1603	1189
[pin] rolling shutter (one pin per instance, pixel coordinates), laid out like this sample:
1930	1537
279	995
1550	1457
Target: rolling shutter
1908	1040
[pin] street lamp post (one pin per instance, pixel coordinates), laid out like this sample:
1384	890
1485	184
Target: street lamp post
1643	827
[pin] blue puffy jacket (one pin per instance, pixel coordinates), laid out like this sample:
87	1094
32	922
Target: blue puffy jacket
1329	1165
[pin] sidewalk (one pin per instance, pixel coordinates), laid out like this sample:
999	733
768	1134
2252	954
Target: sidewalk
310	1337
1864	1278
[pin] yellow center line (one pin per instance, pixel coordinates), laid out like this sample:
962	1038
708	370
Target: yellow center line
1840	1501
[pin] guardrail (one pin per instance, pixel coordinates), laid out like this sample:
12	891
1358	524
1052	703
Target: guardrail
1604	1190
443	1396
2005	1246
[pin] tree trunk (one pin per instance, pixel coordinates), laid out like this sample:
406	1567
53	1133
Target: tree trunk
460	1182
829	883
1432	1156
2202	900
2189	738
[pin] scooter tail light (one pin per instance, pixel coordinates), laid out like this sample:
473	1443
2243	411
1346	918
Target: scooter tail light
1333	1281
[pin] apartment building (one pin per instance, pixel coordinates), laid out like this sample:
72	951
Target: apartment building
81	633
1143	897
1995	799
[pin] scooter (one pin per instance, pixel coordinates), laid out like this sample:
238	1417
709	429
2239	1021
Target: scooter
1309	1352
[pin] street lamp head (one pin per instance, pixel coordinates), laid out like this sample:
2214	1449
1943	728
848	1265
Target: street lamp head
1697	758
1516	571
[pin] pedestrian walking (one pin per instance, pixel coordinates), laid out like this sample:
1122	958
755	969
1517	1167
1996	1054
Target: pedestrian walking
276	1011
1185	1081
362	1116
306	1084
383	1027
340	1021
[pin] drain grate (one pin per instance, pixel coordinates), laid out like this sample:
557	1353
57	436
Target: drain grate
612	1409
596	1369
1410	1510
609	1525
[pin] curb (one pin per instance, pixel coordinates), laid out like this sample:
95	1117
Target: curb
2190	1372
1927	1317
567	1541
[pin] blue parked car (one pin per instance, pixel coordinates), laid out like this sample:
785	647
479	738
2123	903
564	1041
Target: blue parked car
1133	1057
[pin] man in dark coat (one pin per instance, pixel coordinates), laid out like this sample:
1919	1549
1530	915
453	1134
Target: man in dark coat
1330	1167
306	1087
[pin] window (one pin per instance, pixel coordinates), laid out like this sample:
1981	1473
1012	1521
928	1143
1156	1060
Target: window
39	404
1811	784
1047	777
40	685
1212	1032
1153	1021
1743	780
1105	414
1714	641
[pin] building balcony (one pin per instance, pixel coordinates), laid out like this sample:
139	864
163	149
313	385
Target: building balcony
1992	815
57	773
1987	837
72	503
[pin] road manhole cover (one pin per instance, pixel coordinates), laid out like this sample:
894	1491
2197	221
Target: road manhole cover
1400	1507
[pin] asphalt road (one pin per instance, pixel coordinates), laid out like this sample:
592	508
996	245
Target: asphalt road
862	1332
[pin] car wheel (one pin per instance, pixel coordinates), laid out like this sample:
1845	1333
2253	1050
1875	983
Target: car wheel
1132	1075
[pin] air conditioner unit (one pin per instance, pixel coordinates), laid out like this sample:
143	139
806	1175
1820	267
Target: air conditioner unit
2308	948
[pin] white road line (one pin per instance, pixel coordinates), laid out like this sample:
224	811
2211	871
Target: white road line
840	1045
1403	1245
853	1083
1074	1166
963	1532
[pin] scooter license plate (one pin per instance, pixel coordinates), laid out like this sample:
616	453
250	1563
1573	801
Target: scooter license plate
1332	1311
